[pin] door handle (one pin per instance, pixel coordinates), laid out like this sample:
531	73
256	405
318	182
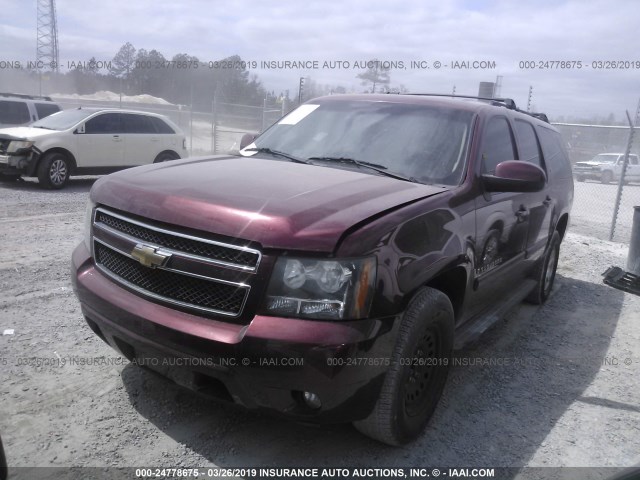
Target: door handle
116	138
522	214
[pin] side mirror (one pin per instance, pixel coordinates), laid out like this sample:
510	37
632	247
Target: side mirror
515	176
247	139
80	129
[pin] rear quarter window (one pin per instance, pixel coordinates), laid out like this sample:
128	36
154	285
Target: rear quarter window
161	126
14	113
46	109
555	157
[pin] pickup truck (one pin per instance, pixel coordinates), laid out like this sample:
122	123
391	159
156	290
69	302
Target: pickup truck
607	167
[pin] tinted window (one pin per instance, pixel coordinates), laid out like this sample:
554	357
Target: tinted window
137	124
160	125
528	143
555	158
46	109
497	146
105	123
14	113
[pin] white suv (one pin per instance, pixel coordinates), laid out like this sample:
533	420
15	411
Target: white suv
17	109
88	142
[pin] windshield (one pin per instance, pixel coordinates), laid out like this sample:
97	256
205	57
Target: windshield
423	143
604	158
63	120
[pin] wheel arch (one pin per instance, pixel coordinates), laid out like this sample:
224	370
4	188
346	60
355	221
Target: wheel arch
173	153
72	159
453	283
561	225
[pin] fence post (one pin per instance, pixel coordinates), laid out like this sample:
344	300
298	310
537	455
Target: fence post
214	123
625	162
633	258
264	114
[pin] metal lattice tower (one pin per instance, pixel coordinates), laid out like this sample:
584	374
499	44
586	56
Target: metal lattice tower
47	50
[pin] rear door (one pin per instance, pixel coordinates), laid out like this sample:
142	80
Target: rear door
633	169
141	141
540	205
101	145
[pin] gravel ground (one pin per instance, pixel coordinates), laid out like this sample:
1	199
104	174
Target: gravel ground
564	392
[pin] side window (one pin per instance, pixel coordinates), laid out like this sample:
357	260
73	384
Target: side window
555	157
633	160
528	143
161	126
14	113
46	109
497	144
105	123
132	123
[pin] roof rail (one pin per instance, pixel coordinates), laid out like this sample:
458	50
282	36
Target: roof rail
501	102
22	95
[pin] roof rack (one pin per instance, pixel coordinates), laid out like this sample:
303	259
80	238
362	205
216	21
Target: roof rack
501	102
22	95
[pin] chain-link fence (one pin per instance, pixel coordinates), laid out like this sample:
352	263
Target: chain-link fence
597	154
216	132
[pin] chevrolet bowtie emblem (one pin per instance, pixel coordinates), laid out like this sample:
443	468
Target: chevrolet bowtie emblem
149	256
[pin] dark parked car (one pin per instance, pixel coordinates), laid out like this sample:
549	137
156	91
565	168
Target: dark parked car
325	273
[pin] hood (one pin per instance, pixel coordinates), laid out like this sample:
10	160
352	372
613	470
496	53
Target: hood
276	203
25	133
593	163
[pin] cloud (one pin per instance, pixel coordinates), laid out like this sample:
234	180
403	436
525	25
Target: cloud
457	30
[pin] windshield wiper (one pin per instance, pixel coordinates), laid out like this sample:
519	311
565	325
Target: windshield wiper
373	166
277	154
45	128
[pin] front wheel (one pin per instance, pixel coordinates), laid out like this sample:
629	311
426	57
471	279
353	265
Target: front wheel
418	371
607	177
53	171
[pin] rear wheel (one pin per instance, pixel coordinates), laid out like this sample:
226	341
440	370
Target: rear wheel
166	156
53	170
545	274
580	178
418	371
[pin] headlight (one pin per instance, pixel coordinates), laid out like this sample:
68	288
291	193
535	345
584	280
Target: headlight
337	289
16	145
88	220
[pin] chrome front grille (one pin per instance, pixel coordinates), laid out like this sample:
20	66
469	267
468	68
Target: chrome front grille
230	255
196	274
188	291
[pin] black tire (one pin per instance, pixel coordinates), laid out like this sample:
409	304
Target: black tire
53	171
580	178
545	273
413	385
607	177
166	156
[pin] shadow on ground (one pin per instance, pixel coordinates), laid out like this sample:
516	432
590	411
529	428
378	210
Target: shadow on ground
497	415
74	185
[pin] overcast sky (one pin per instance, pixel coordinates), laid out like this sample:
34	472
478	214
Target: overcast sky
504	32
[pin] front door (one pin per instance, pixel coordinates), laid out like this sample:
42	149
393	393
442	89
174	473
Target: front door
102	143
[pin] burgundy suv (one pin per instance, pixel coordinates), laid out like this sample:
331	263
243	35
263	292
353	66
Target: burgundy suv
325	273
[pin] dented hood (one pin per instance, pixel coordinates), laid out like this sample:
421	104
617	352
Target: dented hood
276	203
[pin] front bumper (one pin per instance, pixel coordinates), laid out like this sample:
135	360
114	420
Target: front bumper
265	365
19	164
